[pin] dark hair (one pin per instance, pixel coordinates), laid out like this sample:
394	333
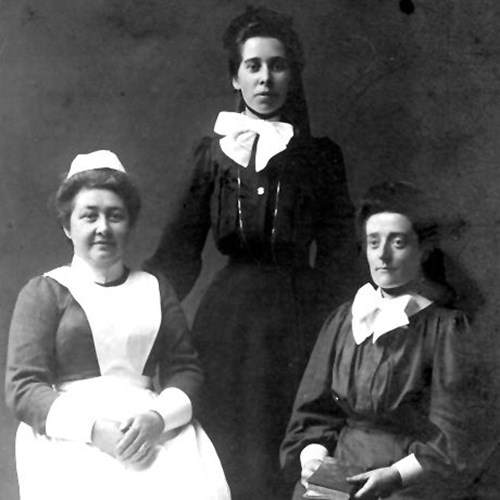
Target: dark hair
406	199
263	22
402	198
102	178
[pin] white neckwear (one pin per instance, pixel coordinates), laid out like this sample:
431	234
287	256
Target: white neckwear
240	131
373	314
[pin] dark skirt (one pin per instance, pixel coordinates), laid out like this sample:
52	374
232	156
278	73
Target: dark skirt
371	448
254	331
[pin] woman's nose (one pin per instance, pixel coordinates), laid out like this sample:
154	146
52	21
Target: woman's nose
102	225
385	252
264	74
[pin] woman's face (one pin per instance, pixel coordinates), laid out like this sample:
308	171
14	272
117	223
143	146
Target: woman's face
392	249
99	227
263	75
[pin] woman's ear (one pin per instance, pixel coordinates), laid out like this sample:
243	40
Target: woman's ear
236	84
67	232
427	248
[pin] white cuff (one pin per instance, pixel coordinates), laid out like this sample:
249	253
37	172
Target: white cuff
68	419
312	451
409	469
174	406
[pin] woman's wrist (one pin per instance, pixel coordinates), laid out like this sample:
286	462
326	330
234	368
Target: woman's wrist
174	407
397	480
409	469
161	421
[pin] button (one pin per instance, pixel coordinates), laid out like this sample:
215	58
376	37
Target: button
260	190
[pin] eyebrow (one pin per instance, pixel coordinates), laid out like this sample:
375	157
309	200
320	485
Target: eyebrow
257	59
393	234
95	207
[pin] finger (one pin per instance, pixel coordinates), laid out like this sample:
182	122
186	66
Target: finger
142	453
125	425
366	489
129	443
358	478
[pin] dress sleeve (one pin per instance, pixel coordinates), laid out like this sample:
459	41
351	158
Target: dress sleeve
178	362
334	227
316	419
447	448
178	255
31	354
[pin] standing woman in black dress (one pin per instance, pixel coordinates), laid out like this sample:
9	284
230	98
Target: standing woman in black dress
267	190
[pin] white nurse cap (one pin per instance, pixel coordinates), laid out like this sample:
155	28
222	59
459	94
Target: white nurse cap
95	161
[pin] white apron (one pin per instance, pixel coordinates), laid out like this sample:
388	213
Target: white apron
186	466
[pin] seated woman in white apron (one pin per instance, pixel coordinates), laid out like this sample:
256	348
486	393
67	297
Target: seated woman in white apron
101	371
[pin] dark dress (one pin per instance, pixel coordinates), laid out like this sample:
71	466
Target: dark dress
373	404
259	318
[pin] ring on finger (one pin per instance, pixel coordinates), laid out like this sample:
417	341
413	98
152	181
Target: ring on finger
144	448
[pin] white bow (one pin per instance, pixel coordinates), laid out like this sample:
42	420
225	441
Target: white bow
375	315
239	133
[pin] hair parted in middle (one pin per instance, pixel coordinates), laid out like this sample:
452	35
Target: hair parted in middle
402	198
264	22
406	199
103	178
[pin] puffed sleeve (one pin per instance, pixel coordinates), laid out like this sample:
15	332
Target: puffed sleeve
315	419
177	361
447	449
30	357
178	255
334	226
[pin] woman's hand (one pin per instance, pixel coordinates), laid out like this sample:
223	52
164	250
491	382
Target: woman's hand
309	468
376	483
140	434
106	435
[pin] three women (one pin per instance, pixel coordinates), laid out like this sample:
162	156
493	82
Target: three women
86	339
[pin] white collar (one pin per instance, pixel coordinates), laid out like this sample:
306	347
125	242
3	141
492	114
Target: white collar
96	275
239	133
373	314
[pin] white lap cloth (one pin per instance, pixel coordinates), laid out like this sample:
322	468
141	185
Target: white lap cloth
186	465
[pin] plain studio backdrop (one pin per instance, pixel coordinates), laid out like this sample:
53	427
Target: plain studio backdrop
408	89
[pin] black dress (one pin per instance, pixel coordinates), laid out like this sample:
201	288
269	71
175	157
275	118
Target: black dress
373	404
259	319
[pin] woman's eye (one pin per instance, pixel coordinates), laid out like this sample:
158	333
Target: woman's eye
116	217
89	216
372	243
252	66
399	242
280	65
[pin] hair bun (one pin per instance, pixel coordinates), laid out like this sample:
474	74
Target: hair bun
261	21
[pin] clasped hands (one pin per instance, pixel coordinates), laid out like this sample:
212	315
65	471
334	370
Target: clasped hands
131	441
374	484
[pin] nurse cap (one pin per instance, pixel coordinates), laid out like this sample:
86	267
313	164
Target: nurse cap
94	161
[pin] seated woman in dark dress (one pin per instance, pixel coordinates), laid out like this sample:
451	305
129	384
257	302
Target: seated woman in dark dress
383	390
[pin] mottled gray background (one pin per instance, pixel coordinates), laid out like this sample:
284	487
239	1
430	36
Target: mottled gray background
407	95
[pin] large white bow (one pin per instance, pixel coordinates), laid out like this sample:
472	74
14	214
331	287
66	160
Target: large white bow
375	315
239	133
